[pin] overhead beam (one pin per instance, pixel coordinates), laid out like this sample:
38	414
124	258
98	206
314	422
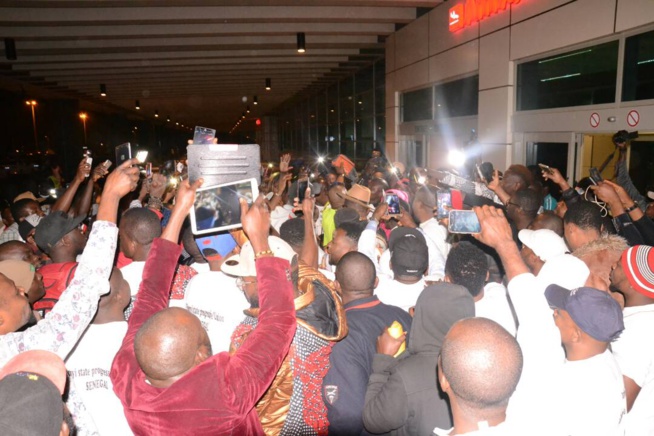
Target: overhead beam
168	43
180	55
194	29
161	63
202	14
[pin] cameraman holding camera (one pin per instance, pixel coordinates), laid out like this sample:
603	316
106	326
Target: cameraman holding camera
621	140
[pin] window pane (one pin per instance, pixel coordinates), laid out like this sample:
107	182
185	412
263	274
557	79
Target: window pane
416	105
347	130
638	78
458	98
363	80
365	128
321	108
363	106
380	135
332	104
379	100
576	78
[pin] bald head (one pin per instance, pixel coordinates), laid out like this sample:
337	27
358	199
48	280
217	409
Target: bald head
17	250
170	344
356	274
547	220
481	363
141	225
377	187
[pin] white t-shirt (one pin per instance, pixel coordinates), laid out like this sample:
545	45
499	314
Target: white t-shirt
498	430
88	368
398	294
495	306
214	298
133	274
555	396
635	355
201	267
437	234
591	397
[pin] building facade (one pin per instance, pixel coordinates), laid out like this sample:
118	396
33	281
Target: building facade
524	82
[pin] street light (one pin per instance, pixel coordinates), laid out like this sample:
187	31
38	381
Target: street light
83	116
32	104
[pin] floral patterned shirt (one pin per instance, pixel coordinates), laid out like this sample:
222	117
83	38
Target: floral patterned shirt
60	330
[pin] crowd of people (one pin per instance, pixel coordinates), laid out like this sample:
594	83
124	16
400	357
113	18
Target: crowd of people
330	315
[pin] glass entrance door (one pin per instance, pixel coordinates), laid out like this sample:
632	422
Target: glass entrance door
558	150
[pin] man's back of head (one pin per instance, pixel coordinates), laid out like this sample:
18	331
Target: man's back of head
346	238
582	224
355	276
409	254
292	232
138	228
527	201
169	344
479	368
547	220
467	266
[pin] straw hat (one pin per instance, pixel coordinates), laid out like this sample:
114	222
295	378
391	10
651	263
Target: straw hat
358	194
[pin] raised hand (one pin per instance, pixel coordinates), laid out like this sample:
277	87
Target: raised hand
494	184
99	172
308	204
495	229
158	185
256	223
555	175
83	170
381	212
122	180
284	161
186	195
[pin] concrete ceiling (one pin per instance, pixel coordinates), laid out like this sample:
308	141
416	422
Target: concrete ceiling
193	59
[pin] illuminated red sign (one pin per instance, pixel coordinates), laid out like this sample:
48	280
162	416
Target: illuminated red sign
469	12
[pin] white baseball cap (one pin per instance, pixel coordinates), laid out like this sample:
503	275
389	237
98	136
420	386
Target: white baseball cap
544	243
650	194
243	265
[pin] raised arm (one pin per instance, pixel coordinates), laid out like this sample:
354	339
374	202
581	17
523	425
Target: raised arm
160	265
310	245
60	330
252	368
66	200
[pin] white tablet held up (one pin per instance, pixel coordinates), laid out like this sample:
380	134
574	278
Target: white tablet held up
217	207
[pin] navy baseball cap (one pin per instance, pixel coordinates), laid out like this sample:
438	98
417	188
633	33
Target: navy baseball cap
409	252
594	311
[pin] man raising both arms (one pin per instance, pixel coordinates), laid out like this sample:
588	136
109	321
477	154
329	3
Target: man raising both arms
164	373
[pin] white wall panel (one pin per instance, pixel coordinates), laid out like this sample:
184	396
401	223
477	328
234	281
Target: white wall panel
458	61
634	13
392	119
440	37
412	42
495	22
415	75
495	68
392	99
529	8
390	53
495	106
580	21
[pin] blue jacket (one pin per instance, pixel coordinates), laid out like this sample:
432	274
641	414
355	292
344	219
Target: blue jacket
344	386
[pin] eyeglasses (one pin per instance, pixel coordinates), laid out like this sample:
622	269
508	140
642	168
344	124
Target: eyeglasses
240	283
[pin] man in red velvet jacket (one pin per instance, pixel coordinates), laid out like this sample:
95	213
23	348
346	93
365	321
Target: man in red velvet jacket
164	373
